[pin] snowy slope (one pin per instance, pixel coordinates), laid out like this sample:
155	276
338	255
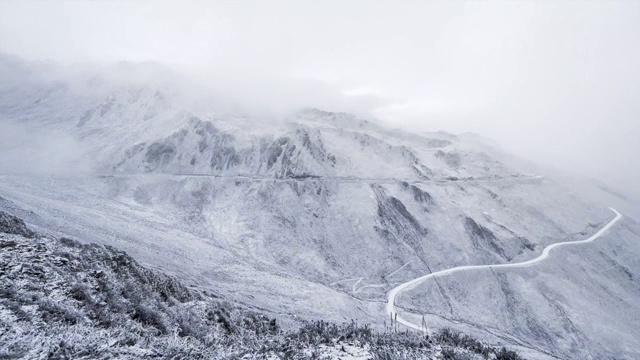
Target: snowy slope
316	214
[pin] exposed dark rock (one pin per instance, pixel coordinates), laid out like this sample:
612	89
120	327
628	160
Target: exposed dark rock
13	225
419	195
483	238
314	145
224	157
418	167
398	224
303	176
160	152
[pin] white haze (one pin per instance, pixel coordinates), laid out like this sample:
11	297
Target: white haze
31	151
557	82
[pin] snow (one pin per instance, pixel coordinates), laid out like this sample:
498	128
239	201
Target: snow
390	307
320	226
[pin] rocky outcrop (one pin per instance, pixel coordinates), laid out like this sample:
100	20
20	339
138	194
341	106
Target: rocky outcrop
10	224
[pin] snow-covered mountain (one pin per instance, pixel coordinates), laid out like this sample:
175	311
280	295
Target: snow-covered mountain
319	214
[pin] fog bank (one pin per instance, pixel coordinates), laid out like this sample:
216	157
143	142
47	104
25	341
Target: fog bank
557	82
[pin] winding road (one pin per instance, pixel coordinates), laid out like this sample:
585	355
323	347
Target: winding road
391	297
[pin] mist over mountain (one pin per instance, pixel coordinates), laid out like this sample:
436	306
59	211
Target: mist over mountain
316	215
355	180
553	82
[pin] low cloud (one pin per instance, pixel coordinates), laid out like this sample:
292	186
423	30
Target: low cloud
25	150
556	82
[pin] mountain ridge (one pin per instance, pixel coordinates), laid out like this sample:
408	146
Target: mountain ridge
285	214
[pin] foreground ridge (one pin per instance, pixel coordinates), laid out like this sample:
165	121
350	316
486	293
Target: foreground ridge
63	299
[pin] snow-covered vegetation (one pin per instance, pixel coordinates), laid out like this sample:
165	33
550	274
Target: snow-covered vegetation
66	300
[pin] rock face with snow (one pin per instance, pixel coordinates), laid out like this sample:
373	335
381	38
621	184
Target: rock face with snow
12	225
318	214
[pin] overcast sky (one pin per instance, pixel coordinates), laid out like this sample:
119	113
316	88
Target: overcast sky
556	81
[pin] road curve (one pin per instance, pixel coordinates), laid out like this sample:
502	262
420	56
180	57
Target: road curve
391	297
